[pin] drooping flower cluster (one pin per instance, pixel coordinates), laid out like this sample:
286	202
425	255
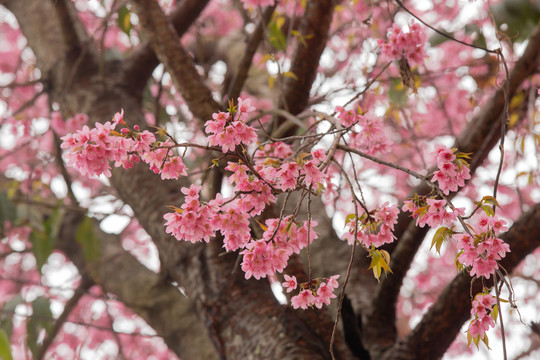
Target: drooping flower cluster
280	240
317	293
193	221
373	228
409	45
367	132
196	221
432	212
91	150
453	169
484	316
229	130
482	250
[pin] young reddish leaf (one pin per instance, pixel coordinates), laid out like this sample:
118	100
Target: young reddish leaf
264	227
178	210
290	74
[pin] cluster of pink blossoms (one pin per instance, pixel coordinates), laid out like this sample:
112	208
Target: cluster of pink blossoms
229	129
271	253
453	170
482	251
196	221
432	213
409	45
367	133
61	127
375	228
289	174
317	296
255	3
482	307
90	151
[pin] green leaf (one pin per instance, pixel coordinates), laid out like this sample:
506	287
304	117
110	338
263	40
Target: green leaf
42	246
53	223
6	313
488	210
86	237
459	266
5	349
440	236
480	39
437	39
276	37
490	200
486	341
349	218
124	20
397	93
380	260
494	312
520	17
7	211
41	320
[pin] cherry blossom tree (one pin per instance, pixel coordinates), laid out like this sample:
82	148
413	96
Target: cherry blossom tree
260	179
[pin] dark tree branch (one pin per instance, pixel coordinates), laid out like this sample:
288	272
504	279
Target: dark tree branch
65	12
242	71
160	304
314	28
176	59
138	67
85	284
431	338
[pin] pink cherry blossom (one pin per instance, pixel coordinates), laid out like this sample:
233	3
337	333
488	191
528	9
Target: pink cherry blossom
290	283
303	300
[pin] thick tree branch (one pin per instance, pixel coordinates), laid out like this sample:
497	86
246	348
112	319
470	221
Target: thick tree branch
241	74
70	33
138	67
478	138
176	59
160	304
68	308
443	321
314	28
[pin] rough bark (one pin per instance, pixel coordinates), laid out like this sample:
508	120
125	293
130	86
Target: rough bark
159	303
242	317
226	303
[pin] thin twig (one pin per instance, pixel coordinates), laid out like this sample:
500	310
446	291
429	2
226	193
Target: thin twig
443	33
382	162
68	308
245	64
